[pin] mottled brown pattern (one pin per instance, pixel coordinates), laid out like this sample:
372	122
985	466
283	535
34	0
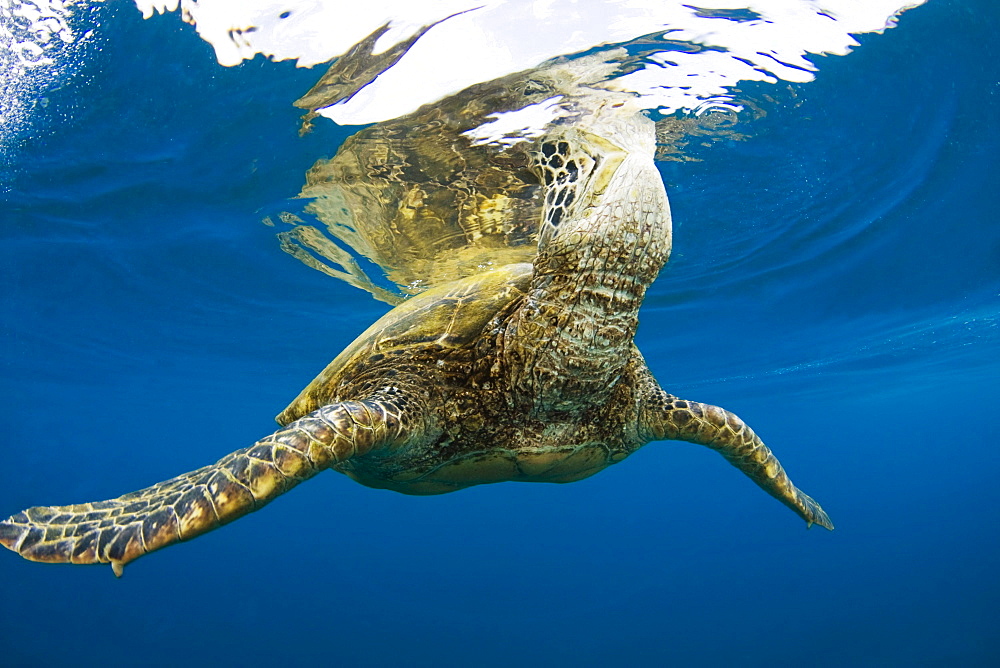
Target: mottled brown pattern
526	372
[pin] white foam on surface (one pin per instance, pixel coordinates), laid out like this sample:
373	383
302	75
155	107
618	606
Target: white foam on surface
475	41
472	41
511	127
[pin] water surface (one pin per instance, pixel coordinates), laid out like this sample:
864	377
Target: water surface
834	281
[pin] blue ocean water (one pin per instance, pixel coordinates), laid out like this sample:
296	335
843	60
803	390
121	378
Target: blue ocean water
835	281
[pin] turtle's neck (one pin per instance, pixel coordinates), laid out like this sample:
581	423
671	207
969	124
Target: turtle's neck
567	346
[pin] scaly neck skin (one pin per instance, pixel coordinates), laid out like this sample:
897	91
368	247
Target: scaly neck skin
567	346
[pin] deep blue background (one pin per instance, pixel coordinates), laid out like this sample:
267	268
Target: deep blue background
835	282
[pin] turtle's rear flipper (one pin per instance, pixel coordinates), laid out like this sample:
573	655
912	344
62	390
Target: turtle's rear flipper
724	432
123	529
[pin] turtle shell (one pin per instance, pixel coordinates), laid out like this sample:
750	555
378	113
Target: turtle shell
452	315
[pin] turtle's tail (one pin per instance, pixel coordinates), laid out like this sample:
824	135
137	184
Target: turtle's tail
123	529
671	418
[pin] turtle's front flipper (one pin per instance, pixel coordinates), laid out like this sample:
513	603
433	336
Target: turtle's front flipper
123	529
668	417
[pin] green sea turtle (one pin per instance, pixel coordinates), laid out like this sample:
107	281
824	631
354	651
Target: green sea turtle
521	372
